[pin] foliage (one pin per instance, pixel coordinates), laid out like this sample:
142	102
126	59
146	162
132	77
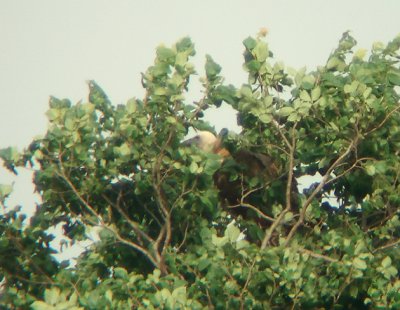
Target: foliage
166	241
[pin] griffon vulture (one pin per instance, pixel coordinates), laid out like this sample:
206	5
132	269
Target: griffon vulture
239	170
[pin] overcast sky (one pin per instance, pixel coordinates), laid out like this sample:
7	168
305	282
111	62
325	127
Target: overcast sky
50	47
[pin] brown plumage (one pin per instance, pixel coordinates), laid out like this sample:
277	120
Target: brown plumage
244	163
249	185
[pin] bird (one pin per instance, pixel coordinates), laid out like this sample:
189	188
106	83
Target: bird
245	176
208	142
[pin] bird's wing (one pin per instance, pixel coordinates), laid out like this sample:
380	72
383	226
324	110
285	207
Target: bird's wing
257	163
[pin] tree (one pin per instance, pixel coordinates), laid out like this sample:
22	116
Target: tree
167	241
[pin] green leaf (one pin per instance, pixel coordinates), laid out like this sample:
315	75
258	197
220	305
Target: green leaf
170	120
41	305
165	54
359	264
391	272
266	118
203	264
160	91
267	102
106	234
5	191
109	295
253	65
56	103
370	169
179	294
212	68
308	82
246	92
193	168
305	96
185	45
212	164
165	294
349	89
316	93
53	114
360	54
10	154
393	77
386	262
261	51
121	273
69	123
335	63
232	232
294	117
131	106
219	241
51	296
250	43
286	111
381	166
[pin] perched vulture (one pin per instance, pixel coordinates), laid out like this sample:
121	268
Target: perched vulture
242	173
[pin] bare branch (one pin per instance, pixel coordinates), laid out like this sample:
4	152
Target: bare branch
184	238
160	197
387	246
384	121
246	284
354	165
324	180
250	206
276	124
131	244
277	222
320	256
28	257
133	224
76	192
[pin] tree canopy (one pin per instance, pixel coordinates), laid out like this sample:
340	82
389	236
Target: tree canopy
167	240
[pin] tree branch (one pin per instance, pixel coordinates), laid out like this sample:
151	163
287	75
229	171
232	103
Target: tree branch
383	122
277	222
324	180
92	211
387	246
319	256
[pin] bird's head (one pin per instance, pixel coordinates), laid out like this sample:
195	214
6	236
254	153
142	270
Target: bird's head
208	142
204	140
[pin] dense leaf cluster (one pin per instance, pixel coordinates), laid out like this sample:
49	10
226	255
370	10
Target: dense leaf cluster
166	240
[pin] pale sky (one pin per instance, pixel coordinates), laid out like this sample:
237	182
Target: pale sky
51	47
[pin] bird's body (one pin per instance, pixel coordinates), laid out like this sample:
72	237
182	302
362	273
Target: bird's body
238	169
252	185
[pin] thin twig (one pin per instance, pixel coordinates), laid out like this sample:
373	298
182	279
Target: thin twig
184	238
133	224
246	284
276	124
324	180
134	245
387	246
258	211
277	222
28	257
383	122
320	256
161	201
354	165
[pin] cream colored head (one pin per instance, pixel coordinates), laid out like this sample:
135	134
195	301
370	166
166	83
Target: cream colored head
204	140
